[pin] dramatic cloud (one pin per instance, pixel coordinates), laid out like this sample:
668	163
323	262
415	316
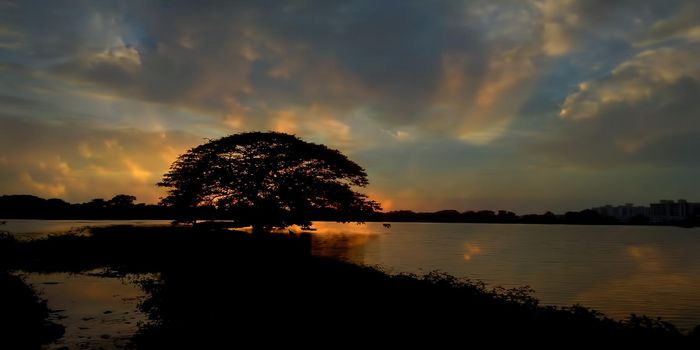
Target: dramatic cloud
448	103
645	110
406	64
81	162
683	25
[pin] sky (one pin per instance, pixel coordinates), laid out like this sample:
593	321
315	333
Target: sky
523	105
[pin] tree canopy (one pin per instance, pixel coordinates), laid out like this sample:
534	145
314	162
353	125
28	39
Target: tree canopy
267	180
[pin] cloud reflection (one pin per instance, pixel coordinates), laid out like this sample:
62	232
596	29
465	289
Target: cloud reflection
471	251
655	287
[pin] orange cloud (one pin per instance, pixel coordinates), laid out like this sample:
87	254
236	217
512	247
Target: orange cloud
45	188
479	109
81	164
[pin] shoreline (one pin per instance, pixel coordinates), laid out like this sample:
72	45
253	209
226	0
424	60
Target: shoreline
372	221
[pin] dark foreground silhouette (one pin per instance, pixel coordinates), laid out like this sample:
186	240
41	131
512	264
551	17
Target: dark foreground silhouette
233	288
23	316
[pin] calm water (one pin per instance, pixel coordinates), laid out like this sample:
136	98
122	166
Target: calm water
42	228
617	270
97	312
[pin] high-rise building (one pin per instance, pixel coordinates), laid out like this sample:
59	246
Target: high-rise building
665	211
623	213
673	211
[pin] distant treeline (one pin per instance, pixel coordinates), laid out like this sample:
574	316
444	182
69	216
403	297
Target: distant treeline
124	206
119	207
506	217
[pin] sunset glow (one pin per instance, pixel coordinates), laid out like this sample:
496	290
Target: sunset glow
520	105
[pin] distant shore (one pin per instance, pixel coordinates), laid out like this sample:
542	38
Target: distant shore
32	207
4	220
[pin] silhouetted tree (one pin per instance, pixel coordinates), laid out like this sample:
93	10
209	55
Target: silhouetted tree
97	203
122	201
267	180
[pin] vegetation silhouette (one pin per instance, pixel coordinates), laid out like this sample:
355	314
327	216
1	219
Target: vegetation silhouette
584	217
229	287
267	180
123	206
23	316
120	207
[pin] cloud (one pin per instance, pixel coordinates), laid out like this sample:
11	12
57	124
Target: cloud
683	25
573	25
120	65
474	110
456	103
10	39
644	111
126	57
79	162
232	59
461	69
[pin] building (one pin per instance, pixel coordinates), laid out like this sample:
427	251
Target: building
673	211
665	211
623	213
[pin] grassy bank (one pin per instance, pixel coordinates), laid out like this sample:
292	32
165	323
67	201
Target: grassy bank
231	288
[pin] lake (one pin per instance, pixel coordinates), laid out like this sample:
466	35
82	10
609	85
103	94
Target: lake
617	270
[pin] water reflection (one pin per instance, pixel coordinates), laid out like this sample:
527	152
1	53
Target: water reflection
471	250
617	270
646	257
343	241
30	229
655	287
98	312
